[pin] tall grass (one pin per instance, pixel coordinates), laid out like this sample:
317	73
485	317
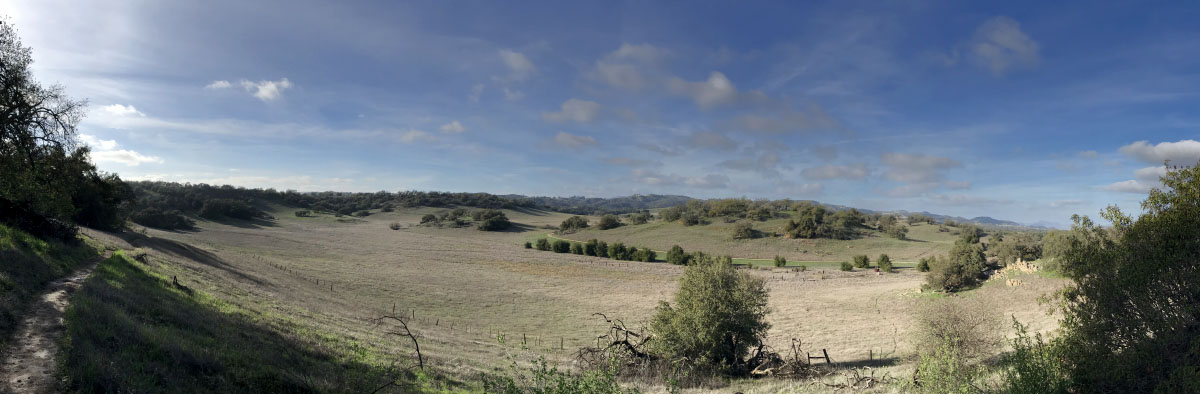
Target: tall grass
27	265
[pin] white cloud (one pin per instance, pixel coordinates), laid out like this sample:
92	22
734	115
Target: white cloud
626	67
829	171
710	181
267	90
1183	152
513	94
645	53
912	189
716	90
573	141
221	84
1129	186
519	66
624	76
574	110
999	44
1066	203
411	136
803	189
963	199
453	128
476	93
917	168
119	110
105	151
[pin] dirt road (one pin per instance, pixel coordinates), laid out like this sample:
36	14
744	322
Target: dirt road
29	363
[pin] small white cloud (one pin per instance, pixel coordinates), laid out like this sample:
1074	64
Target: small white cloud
1066	203
411	136
963	199
105	151
476	93
716	90
220	84
1183	152
267	90
573	141
574	110
1000	45
453	128
123	110
710	181
513	94
1129	186
519	66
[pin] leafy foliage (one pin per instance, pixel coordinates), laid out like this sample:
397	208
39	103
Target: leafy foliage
542	244
846	266
780	261
573	224
719	313
884	263
166	220
609	222
492	220
815	221
744	230
963	268
862	261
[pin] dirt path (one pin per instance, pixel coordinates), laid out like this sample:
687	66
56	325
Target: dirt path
29	364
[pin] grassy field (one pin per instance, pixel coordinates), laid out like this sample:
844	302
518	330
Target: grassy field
477	298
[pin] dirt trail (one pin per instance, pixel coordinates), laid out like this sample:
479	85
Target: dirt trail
29	363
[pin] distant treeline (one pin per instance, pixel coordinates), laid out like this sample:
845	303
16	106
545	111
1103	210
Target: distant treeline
598	206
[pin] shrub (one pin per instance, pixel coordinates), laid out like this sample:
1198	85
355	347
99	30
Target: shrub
429	218
676	256
396	226
560	246
1034	366
492	220
528	245
862	261
744	231
884	263
609	222
802	268
589	248
541	378
962	269
645	255
542	244
576	248
846	266
602	249
780	261
234	209
618	251
923	264
640	217
303	213
955	335
718	314
388	208
692	219
573	224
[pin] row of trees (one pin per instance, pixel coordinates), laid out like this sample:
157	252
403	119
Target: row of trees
483	219
616	251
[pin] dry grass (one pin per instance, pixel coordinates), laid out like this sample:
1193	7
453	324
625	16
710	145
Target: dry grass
467	286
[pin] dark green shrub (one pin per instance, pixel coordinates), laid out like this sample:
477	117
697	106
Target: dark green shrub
303	213
234	209
542	244
492	220
780	261
862	261
618	251
429	218
589	248
647	255
718	315
1034	366
846	266
166	220
923	264
609	222
560	246
576	248
573	224
528	245
602	249
677	256
744	231
884	263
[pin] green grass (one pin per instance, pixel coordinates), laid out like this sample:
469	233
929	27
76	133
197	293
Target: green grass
129	329
27	265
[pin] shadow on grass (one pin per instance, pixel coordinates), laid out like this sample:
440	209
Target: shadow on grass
131	331
531	211
251	224
872	363
185	251
518	228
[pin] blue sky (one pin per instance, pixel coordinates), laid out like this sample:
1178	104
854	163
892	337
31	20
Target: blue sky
1023	111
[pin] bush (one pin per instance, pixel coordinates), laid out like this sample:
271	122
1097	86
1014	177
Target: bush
542	244
429	218
640	218
560	246
303	213
541	378
609	222
589	248
718	314
1033	366
802	268
744	231
602	249
528	245
396	226
923	264
961	270
846	266
492	220
573	224
954	336
780	261
576	248
885	263
862	261
618	251
677	256
234	209
645	255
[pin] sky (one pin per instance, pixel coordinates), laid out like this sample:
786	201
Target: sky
1027	111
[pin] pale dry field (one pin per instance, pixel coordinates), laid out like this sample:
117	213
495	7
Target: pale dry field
466	287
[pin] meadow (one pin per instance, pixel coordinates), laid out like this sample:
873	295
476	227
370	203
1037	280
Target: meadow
476	298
